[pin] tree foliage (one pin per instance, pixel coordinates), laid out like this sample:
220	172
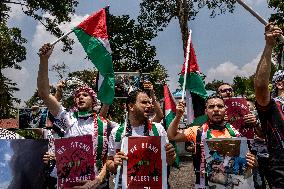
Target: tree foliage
51	14
12	50
213	86
157	14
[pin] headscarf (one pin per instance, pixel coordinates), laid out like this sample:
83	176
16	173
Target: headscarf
89	90
278	76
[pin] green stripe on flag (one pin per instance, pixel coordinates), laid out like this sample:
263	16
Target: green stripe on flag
102	59
194	84
169	117
155	130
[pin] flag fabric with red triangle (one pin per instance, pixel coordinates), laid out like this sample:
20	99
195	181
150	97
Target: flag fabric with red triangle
92	34
195	89
170	113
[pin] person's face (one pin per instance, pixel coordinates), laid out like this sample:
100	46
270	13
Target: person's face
142	107
280	85
226	91
84	101
251	106
215	109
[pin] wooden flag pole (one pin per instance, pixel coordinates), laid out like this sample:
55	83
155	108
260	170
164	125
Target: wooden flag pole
121	149
186	64
256	15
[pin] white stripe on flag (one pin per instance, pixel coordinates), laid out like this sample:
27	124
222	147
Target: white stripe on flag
189	108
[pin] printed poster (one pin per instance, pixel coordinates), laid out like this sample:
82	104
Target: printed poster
74	160
236	109
146	166
226	165
35	117
21	164
125	82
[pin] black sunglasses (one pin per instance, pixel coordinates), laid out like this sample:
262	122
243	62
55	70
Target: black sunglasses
226	90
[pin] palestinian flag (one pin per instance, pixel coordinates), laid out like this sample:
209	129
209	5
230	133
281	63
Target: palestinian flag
195	89
92	34
170	113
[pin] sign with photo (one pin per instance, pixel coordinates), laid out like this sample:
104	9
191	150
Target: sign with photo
236	109
21	163
125	82
226	165
74	160
35	117
146	166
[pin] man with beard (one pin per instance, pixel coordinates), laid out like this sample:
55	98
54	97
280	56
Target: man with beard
139	109
83	120
215	127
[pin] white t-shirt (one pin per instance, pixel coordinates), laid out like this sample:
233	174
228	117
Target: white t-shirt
136	131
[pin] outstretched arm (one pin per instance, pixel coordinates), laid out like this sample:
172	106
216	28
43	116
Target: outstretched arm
172	131
42	80
264	66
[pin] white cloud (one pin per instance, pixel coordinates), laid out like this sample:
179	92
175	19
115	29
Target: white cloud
4	185
256	2
18	76
74	61
7	157
2	164
228	70
16	11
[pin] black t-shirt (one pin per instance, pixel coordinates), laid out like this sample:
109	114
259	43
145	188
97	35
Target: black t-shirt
272	123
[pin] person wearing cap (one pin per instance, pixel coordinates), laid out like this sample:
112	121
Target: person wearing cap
82	120
270	107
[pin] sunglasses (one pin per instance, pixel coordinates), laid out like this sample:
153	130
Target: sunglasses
226	90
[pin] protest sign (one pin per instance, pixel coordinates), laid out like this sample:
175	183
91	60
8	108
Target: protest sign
146	165
74	160
236	109
226	165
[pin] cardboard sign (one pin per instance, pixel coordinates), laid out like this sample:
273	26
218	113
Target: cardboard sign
236	109
74	160
226	164
146	165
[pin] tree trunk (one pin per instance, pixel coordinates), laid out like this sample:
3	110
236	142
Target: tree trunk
182	7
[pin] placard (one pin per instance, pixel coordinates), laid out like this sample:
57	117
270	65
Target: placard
236	109
146	166
226	164
74	160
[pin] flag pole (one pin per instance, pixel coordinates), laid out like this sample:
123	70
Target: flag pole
121	149
60	38
186	64
257	16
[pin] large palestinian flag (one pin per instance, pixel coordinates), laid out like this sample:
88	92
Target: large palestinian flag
92	34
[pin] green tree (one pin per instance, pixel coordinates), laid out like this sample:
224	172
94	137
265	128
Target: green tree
278	18
157	14
213	85
12	50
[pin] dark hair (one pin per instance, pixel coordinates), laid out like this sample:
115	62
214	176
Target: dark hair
214	96
217	90
132	97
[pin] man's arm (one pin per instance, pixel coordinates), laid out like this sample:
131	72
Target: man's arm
261	80
172	131
43	83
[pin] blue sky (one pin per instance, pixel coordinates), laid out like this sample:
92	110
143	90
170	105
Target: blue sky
226	46
5	156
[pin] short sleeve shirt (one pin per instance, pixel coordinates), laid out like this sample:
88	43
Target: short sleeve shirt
136	131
